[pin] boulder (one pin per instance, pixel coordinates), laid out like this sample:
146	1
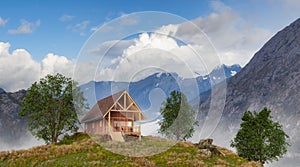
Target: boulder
204	143
204	153
206	148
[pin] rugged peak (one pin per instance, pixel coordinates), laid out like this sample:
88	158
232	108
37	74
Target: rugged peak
2	90
278	49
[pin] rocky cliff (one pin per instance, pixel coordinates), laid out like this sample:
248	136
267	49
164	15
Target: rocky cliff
271	79
12	128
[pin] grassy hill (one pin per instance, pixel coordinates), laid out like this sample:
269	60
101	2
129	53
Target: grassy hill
81	150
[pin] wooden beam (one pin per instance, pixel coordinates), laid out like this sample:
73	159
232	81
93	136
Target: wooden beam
120	105
113	104
129	105
140	137
135	111
109	122
124	96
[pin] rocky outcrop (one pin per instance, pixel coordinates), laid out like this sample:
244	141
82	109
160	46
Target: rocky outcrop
207	149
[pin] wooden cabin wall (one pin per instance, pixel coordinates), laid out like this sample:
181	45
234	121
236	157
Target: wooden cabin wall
95	127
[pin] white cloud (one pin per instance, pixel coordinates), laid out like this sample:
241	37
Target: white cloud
53	64
235	39
150	53
65	18
222	37
80	27
25	27
18	70
111	50
3	21
125	20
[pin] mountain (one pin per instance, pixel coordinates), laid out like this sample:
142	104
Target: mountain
271	79
2	90
150	92
10	124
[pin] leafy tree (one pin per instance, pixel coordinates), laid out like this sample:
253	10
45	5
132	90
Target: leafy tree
50	108
178	117
259	138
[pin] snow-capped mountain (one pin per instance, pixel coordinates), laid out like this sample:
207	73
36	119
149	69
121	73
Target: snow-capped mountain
150	92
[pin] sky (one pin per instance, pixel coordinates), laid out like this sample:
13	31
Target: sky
104	40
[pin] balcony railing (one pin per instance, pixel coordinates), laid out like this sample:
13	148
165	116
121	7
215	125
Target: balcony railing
136	129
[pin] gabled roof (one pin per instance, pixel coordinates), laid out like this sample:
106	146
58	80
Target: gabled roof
102	107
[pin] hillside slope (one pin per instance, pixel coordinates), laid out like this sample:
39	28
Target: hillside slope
80	150
271	79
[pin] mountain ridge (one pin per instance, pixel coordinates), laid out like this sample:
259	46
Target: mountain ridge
151	91
10	124
271	79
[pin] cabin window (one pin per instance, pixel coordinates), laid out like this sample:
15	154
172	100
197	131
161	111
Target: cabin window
100	122
116	123
93	125
122	123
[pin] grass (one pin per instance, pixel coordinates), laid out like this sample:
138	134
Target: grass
81	150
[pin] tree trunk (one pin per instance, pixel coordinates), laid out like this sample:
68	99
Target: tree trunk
262	164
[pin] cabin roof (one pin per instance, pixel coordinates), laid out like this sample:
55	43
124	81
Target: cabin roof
103	106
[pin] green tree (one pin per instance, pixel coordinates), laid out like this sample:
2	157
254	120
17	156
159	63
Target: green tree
50	108
178	117
259	138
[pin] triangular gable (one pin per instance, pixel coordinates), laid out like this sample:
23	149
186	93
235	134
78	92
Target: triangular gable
126	103
115	101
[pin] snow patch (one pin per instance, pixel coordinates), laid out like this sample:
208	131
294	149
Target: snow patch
233	73
159	74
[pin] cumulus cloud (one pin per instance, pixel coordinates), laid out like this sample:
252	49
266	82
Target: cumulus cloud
110	50
53	64
26	27
149	53
18	70
196	46
3	21
65	18
235	39
80	27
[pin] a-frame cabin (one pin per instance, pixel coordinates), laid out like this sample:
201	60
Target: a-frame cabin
115	113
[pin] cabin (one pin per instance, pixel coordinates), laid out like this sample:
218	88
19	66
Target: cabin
114	114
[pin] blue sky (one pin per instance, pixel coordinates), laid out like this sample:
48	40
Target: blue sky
53	35
40	37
